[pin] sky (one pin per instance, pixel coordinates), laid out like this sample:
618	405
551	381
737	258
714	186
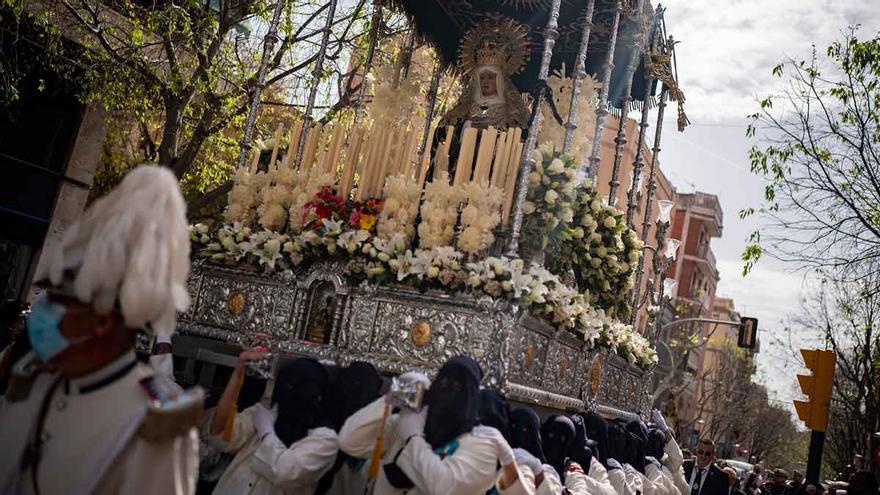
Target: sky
726	52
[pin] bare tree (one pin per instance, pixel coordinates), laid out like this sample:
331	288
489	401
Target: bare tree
819	155
845	315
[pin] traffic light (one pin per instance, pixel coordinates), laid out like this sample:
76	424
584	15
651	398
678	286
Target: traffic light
817	388
748	333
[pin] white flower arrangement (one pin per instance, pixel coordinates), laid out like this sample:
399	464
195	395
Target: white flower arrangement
402	195
392	104
439	213
480	217
552	131
242	199
550	201
388	260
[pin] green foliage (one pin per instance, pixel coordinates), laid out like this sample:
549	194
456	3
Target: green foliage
176	77
817	154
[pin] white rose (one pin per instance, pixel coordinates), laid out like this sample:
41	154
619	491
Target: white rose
551	196
433	272
528	207
384	257
556	166
595	205
201	228
609	222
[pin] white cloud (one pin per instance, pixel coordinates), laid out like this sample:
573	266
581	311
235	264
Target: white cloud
727	49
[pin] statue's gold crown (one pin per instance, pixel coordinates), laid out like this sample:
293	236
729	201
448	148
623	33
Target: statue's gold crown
491	54
497	40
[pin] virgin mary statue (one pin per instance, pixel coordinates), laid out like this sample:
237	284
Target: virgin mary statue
489	54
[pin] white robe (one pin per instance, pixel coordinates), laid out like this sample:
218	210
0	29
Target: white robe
91	444
524	485
662	483
595	482
266	466
672	466
469	470
349	480
618	480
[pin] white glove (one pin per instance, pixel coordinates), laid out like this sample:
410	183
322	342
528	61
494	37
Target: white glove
410	422
613	464
525	458
502	448
653	460
415	377
659	421
264	422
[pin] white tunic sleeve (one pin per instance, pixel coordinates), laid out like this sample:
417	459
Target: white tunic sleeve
301	464
524	485
242	432
470	469
673	463
357	437
618	481
597	479
551	484
158	468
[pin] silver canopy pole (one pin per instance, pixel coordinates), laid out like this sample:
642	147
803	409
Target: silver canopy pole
313	91
578	78
522	184
260	83
590	168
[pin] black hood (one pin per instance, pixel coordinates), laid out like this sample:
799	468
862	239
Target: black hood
525	432
558	433
656	444
580	451
597	431
495	411
617	442
453	401
354	387
300	393
638	433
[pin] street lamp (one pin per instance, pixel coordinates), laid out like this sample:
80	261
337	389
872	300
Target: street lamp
662	258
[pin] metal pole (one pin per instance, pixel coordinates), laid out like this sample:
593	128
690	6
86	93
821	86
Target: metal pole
649	196
313	91
620	140
375	21
814	460
429	113
522	185
260	83
602	107
639	162
578	78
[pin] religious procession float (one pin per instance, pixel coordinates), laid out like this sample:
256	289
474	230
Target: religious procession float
413	233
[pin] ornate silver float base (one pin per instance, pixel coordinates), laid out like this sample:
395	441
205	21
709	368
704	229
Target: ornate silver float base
317	312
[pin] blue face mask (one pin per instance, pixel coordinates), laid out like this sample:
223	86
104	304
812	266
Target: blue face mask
44	329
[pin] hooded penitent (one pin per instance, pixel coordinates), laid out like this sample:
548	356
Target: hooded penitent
453	401
597	430
580	451
354	387
300	391
617	442
495	411
558	434
656	444
638	432
525	432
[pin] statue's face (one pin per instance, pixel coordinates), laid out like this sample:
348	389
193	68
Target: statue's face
488	83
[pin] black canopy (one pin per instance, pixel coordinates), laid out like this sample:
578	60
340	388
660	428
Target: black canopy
445	22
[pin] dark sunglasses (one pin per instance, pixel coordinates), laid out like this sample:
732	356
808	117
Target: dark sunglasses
704	452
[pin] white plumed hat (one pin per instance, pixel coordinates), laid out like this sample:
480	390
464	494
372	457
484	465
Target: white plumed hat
129	251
